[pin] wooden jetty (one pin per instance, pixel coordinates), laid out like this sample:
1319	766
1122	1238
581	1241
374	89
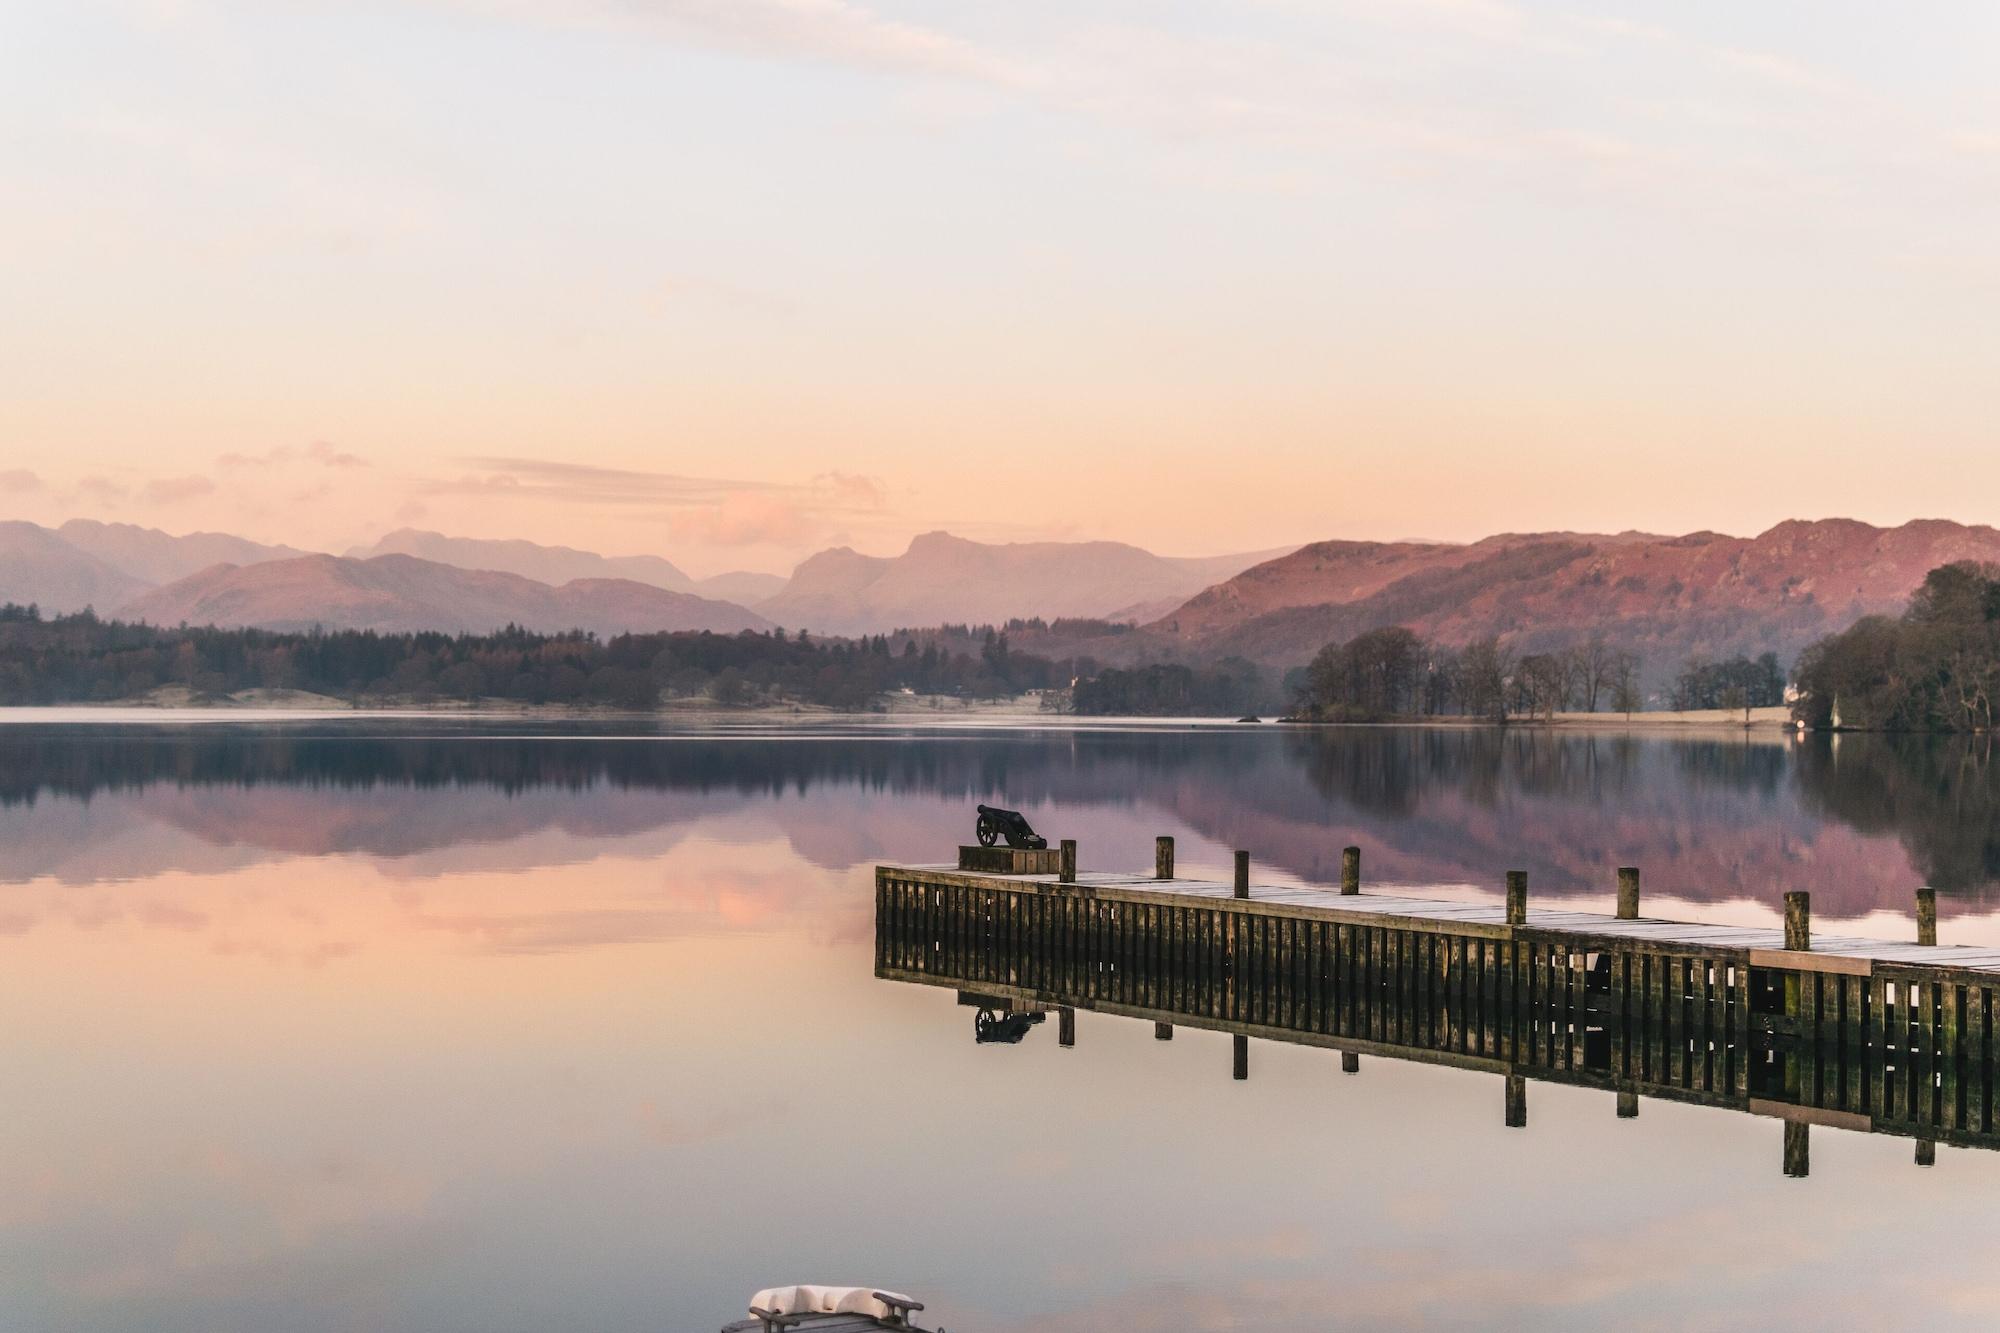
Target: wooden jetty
1863	1034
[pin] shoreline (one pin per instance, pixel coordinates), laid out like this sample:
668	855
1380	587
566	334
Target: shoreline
292	705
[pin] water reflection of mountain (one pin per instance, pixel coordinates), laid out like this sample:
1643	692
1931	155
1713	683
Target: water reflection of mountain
1860	823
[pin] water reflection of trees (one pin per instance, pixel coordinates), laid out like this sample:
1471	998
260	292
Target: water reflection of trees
1939	795
1708	817
42	762
1397	770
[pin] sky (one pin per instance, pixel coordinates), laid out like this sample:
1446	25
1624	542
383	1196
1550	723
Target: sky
730	281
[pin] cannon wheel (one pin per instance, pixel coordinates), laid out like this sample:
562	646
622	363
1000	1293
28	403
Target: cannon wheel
988	831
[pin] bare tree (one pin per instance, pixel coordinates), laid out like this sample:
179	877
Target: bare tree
1625	695
1599	670
1483	671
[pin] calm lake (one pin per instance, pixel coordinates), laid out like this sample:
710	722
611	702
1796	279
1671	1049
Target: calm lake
460	1025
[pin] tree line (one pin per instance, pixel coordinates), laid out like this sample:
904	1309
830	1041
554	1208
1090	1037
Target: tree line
81	658
1934	668
1392	672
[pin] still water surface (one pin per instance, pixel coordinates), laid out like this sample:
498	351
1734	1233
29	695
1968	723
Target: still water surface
460	1025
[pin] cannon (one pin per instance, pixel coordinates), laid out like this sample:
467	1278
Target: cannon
995	824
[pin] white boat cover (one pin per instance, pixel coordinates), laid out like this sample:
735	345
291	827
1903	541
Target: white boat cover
824	1300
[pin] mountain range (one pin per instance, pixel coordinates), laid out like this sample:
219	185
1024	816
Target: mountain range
411	579
942	579
402	594
1666	598
563	564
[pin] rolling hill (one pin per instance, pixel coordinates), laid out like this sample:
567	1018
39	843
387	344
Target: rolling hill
1666	598
152	556
400	593
37	567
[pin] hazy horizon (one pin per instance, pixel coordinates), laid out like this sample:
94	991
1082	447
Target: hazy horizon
734	284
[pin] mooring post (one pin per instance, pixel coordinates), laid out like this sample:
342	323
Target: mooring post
1350	1063
1163	858
1798	921
1517	1102
1628	1106
1163	1032
1350	870
1927	916
1066	1026
1243	874
1926	1152
1798	1149
1517	897
1628	893
1798	937
1068	874
1240	1052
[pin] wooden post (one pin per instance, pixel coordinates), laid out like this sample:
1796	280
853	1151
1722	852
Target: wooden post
1628	1106
1350	1063
1065	1026
1927	916
1798	935
1350	870
1068	875
1628	893
1517	897
1163	1032
1240	1051
1798	921
1798	1149
1517	1102
1926	1152
1163	858
1243	874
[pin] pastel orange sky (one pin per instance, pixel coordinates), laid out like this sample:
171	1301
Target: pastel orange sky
730	283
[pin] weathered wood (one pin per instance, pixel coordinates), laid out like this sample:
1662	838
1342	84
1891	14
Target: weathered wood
1066	1026
1242	884
1009	860
1798	1149
1628	893
1068	872
1163	1032
1239	1047
1798	920
1517	1102
1350	1063
1350	871
1517	897
1927	916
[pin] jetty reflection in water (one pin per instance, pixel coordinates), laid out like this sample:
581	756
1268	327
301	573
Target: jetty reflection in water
1912	1056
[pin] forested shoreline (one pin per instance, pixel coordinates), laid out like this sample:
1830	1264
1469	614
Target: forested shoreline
1934	668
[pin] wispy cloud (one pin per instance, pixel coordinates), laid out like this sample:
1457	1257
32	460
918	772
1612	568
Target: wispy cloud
837	32
19	481
173	490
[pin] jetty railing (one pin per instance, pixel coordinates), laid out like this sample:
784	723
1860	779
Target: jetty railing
1871	1035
